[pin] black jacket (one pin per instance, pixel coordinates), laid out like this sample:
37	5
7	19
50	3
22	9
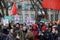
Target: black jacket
47	36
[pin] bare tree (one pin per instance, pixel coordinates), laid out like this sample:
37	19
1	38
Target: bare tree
37	6
3	6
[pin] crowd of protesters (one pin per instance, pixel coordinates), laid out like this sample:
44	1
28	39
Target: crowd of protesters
37	31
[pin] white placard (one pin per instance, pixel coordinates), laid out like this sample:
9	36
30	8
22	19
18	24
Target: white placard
17	19
5	21
30	21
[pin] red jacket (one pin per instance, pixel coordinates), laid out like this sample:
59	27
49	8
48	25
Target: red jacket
44	28
35	31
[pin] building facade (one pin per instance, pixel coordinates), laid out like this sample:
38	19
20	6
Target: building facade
25	9
53	15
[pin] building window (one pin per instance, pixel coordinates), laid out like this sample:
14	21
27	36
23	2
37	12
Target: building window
26	0
26	15
21	18
21	0
32	16
51	17
31	7
26	7
19	6
56	17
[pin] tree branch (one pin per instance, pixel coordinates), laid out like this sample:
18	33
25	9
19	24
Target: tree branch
2	9
4	3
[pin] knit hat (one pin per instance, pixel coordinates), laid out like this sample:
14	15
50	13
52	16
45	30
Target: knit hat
34	25
44	28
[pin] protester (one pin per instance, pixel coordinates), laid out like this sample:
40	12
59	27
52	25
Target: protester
55	33
11	25
17	37
24	32
1	35
10	35
40	31
29	28
5	30
47	35
41	25
0	25
35	31
58	24
29	34
17	26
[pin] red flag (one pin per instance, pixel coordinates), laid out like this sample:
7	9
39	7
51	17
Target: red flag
51	4
14	9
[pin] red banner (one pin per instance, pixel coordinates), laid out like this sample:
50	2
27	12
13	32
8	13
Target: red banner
51	4
14	9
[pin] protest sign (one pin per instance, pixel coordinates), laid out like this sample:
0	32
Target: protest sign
10	18
30	21
17	19
5	21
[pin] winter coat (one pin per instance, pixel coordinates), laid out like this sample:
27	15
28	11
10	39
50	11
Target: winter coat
10	37
3	37
55	36
17	39
59	29
24	33
29	36
35	33
47	36
5	31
